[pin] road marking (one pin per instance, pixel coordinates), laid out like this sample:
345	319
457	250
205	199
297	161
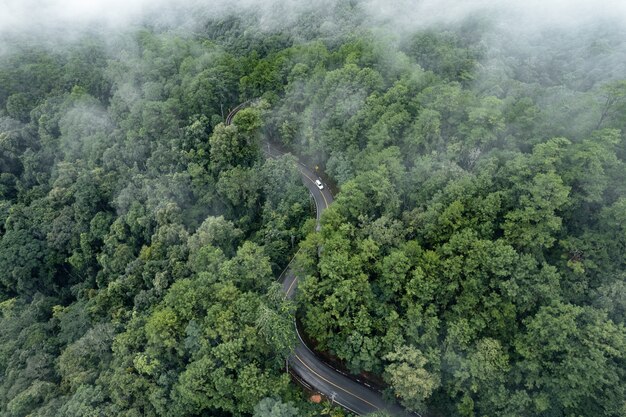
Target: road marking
310	179
289	290
297	332
347	408
333	384
318	211
323	196
287	267
292	284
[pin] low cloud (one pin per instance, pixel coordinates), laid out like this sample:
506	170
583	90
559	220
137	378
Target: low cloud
63	16
34	15
516	14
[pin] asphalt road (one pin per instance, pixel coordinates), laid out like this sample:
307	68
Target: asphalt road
358	398
322	199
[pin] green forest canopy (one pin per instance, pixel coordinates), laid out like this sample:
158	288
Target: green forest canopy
474	258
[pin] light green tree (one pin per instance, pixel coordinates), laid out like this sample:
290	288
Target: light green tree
412	383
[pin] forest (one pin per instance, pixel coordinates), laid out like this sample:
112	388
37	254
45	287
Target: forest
472	264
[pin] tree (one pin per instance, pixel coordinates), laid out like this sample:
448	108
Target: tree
237	144
370	195
225	148
217	232
479	377
534	224
29	399
614	95
241	188
277	328
28	262
570	361
18	106
87	401
249	269
270	407
408	377
82	361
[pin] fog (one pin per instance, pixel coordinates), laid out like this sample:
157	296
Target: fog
525	29
44	16
516	14
65	16
33	15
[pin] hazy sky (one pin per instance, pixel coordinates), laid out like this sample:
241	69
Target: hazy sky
29	14
19	15
33	15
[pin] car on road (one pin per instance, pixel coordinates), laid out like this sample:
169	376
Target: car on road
319	184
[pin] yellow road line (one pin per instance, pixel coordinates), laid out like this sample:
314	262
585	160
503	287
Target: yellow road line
335	385
324	197
287	293
310	179
291	286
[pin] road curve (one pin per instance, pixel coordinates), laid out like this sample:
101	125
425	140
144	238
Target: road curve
309	369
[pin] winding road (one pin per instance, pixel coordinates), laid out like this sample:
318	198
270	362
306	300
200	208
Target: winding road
308	368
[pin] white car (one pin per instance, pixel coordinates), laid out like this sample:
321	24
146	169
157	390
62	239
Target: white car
319	184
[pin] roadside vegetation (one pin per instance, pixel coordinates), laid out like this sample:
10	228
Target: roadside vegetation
474	259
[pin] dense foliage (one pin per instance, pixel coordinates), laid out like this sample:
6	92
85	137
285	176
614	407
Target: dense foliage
140	236
476	254
474	258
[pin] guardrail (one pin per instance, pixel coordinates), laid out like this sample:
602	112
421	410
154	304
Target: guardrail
231	115
298	378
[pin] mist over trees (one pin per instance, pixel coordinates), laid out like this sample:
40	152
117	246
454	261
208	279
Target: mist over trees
473	262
